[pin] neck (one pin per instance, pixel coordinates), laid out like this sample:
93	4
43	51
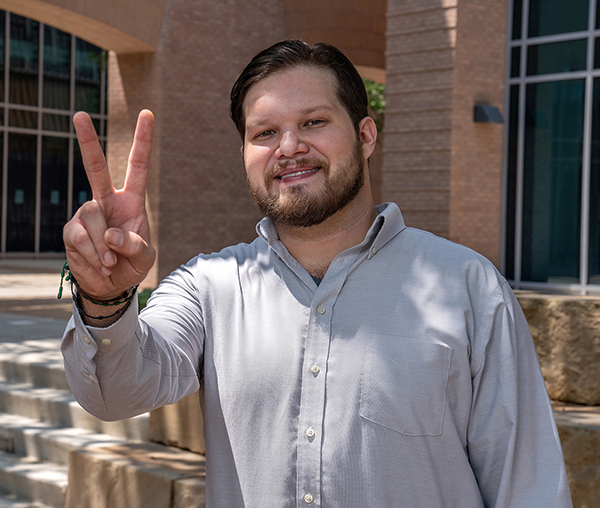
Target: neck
315	247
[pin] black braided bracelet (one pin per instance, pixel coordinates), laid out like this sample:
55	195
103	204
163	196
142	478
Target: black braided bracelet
100	318
124	299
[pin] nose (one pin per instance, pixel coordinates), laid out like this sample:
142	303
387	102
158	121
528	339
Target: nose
290	144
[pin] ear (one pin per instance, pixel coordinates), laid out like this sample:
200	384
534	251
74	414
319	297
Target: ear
368	135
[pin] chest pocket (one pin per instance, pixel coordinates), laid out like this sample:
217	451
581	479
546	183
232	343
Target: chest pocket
404	385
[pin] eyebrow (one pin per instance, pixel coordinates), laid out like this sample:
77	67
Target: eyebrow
306	111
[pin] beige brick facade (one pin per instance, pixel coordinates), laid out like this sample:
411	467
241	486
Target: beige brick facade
443	169
441	56
419	95
197	195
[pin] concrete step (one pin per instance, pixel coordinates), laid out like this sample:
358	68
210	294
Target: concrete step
32	480
10	501
136	475
41	441
37	362
59	408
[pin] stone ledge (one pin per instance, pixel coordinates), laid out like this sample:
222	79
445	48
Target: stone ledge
565	333
579	431
135	475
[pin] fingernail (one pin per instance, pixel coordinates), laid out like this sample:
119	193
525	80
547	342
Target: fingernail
110	259
115	237
105	271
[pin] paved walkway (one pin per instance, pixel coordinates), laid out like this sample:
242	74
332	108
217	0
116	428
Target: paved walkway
29	308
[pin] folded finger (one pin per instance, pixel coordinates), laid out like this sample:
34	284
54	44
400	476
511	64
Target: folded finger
89	237
140	254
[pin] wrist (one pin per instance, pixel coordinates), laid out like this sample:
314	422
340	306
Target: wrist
100	316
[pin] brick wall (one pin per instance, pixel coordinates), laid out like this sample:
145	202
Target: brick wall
476	175
197	196
421	37
444	170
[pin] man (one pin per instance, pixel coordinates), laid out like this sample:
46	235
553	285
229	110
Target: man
343	359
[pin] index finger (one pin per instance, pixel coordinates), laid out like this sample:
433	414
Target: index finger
139	157
93	157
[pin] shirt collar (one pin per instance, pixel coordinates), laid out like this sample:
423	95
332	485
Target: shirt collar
387	225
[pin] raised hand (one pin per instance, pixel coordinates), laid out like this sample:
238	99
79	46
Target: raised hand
107	241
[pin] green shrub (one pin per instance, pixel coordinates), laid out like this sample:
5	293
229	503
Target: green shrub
143	296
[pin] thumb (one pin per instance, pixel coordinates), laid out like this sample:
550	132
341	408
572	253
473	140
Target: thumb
132	246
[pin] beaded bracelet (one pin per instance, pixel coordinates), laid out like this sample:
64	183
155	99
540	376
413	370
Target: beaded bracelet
125	298
100	318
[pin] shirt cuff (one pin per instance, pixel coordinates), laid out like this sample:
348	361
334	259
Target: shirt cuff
116	335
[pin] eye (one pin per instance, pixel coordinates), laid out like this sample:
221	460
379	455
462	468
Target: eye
264	134
315	121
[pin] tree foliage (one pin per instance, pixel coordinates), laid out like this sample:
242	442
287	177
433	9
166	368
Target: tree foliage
376	96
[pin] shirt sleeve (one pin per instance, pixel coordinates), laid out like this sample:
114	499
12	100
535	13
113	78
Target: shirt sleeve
513	443
138	363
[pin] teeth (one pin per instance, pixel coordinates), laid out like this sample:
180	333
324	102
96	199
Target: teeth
283	177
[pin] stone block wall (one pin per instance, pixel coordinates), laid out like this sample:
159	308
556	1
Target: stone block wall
565	332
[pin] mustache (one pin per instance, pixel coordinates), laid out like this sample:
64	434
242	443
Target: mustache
303	161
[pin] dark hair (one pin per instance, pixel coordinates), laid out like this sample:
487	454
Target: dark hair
350	89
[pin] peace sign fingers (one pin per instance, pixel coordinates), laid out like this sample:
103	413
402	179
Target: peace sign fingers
93	157
139	157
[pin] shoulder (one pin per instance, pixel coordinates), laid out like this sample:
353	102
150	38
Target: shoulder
227	260
423	246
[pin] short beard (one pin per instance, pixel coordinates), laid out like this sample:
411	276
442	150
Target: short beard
301	209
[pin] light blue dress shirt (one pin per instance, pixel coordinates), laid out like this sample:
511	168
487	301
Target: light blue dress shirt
407	378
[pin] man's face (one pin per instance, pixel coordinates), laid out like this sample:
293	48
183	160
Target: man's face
304	160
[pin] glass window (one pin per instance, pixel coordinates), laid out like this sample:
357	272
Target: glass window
44	181
56	122
549	17
24	42
53	203
552	181
2	46
82	191
511	182
57	68
24	119
88	74
567	56
515	62
20	224
594	227
517	19
597	53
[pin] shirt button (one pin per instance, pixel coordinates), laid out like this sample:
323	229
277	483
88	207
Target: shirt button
308	498
315	369
86	339
310	432
91	378
321	309
373	251
106	342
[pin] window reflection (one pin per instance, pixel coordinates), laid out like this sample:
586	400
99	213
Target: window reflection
57	68
24	41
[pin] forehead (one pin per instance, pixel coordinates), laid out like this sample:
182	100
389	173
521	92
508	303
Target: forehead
296	89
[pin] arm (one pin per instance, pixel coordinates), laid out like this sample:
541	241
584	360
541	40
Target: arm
513	443
136	364
115	373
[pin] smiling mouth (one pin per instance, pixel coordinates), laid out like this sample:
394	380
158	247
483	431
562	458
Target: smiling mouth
298	173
